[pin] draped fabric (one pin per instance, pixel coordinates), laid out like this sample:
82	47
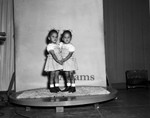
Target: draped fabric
127	39
7	48
83	17
149	6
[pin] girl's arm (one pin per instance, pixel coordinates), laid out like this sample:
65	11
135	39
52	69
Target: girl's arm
68	56
55	57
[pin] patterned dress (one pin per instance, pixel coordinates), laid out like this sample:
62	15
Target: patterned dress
70	64
51	64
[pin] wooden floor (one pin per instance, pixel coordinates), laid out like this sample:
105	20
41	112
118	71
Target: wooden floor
132	103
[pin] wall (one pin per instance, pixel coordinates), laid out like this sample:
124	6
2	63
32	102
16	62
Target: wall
127	44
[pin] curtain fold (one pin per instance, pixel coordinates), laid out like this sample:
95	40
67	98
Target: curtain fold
7	48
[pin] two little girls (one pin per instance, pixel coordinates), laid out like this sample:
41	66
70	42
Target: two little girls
61	57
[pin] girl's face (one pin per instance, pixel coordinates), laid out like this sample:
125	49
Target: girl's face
54	37
67	38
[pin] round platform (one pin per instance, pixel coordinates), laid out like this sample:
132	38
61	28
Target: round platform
57	101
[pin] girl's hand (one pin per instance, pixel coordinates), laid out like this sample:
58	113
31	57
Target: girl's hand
67	57
60	62
55	57
63	60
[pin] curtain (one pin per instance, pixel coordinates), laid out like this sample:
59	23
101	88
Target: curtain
127	39
7	48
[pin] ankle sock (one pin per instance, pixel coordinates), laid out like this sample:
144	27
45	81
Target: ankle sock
73	85
68	84
56	85
51	85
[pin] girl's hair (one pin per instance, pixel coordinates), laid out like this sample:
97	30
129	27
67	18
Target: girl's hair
65	32
50	33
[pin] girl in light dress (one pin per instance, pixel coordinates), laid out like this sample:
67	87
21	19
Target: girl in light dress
54	61
69	60
61	58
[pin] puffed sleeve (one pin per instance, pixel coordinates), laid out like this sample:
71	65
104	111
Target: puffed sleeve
50	47
71	48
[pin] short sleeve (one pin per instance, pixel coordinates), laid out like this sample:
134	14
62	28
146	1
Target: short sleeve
71	48
50	47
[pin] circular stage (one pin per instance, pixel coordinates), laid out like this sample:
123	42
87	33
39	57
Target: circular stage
62	99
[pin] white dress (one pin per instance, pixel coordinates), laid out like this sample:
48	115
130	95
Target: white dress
70	64
51	64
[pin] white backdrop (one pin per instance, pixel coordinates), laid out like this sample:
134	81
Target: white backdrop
33	20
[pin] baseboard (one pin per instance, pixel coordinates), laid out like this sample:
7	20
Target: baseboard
119	85
122	85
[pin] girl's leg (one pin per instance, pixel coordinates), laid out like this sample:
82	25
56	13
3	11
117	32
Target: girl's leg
67	74
52	75
73	89
72	77
56	77
51	79
68	80
57	80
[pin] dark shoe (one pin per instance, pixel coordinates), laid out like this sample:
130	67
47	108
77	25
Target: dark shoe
57	89
53	90
72	90
66	89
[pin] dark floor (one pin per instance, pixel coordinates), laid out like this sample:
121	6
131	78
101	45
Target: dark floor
132	103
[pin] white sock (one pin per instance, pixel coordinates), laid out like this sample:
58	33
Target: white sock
68	84
56	85
51	85
73	85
